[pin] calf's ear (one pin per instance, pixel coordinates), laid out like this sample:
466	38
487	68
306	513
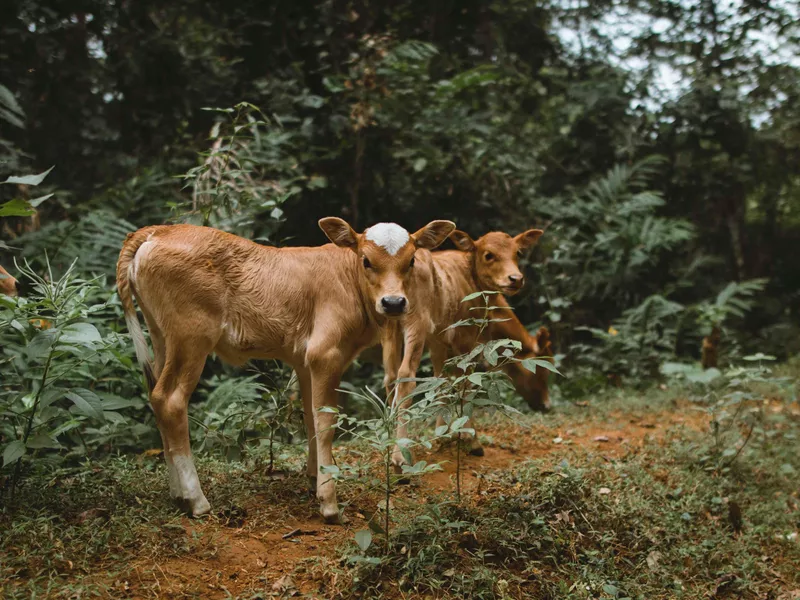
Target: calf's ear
462	241
339	232
433	234
526	239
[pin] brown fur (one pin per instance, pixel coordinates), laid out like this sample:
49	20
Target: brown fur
490	263
710	349
8	285
202	290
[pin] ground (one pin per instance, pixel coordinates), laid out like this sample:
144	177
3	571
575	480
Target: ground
631	495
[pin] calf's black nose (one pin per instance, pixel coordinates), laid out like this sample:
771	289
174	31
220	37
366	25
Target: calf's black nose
393	305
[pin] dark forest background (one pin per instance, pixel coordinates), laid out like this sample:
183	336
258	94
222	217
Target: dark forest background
656	142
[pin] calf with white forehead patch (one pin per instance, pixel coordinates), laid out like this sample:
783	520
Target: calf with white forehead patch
205	291
387	254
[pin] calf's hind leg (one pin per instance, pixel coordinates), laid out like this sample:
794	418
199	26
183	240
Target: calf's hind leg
304	380
170	401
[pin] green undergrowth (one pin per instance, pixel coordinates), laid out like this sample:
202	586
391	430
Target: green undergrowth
72	532
691	512
661	521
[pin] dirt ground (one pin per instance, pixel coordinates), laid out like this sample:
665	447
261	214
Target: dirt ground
283	557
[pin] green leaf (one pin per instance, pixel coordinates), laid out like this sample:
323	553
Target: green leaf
532	363
13	452
706	376
8	100
87	403
42	441
81	333
471	296
673	368
40	345
475	378
363	539
458	423
420	164
37	201
16	208
28	179
10	117
758	356
112	402
440	430
375	526
610	590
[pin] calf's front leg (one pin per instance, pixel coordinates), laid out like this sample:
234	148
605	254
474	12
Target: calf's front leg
412	355
326	373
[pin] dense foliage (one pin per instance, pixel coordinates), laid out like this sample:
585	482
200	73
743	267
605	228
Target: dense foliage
655	142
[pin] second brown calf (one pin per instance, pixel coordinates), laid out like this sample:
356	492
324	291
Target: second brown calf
490	263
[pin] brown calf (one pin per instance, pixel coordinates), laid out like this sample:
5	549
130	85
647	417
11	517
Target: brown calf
490	263
202	290
8	285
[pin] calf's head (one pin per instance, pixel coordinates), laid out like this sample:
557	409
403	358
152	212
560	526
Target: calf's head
386	258
8	285
495	258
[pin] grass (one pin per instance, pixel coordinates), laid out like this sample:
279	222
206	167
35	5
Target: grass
632	496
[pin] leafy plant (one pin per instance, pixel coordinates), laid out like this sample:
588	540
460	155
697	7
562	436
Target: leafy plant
734	300
380	435
62	392
248	174
241	414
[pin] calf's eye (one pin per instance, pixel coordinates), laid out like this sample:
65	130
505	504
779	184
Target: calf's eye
411	264
367	264
488	256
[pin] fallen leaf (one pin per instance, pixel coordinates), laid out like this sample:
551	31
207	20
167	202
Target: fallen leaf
92	514
722	583
557	440
601	438
653	559
284	584
604	490
292	533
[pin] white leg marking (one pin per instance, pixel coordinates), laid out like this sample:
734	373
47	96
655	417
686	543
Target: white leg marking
189	484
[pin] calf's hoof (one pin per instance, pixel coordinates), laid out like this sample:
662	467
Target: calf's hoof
476	451
194	507
331	515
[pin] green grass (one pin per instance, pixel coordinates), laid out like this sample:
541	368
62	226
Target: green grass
670	517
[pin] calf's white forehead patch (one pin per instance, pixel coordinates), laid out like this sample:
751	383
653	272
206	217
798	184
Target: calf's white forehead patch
390	236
